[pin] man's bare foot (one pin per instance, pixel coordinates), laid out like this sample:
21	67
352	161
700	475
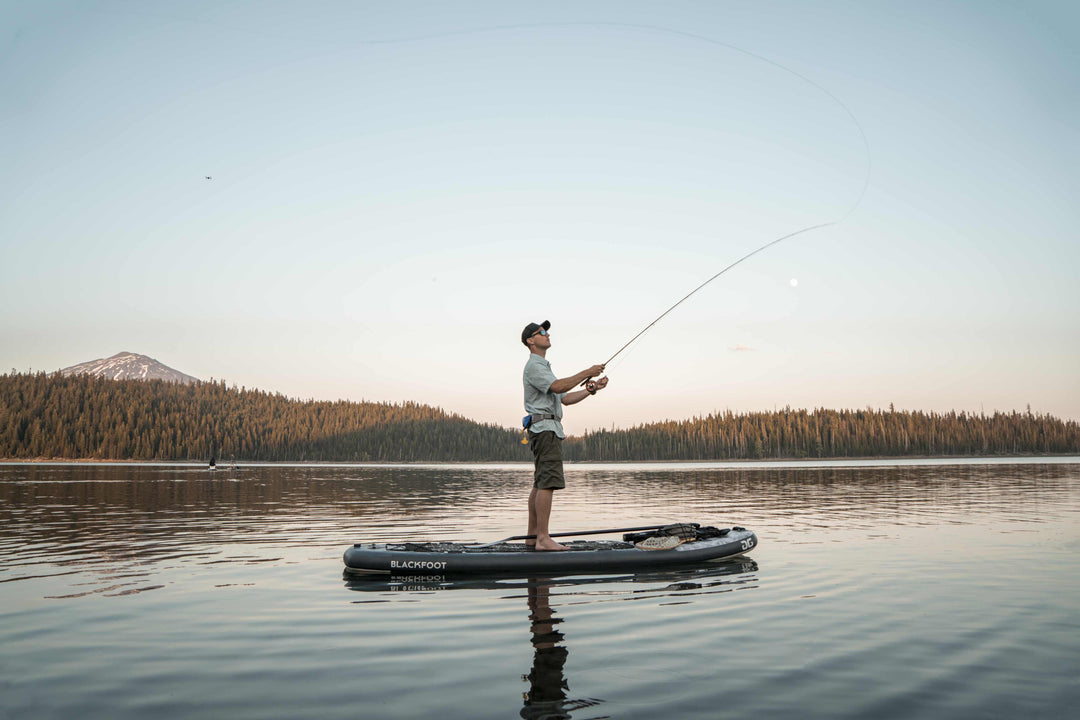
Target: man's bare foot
549	544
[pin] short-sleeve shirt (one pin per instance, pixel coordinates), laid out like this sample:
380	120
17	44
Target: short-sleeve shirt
537	379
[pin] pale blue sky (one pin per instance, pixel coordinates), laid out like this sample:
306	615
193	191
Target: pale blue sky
398	188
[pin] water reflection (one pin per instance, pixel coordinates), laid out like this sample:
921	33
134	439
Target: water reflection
548	687
549	601
708	578
933	591
114	529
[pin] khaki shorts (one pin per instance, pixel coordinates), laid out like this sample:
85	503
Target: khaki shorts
547	456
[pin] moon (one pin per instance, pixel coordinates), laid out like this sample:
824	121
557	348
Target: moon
794	282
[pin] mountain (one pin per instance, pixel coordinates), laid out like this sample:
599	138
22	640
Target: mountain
129	366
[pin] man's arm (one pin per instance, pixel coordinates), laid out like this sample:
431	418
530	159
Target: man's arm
579	395
565	385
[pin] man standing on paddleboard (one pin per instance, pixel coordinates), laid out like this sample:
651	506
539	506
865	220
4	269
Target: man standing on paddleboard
544	397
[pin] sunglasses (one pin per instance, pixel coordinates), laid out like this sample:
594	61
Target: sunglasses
541	331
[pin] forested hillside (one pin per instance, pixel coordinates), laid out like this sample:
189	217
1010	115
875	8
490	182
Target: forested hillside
80	417
832	434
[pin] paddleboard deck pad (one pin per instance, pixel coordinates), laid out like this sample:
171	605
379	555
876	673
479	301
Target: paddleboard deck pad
637	551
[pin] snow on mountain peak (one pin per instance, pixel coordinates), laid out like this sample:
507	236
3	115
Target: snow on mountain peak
129	366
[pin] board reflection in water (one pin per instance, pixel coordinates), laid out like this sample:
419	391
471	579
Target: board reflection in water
551	601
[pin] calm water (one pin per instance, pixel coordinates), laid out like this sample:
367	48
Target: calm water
930	590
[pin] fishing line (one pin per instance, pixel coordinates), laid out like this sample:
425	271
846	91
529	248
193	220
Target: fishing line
652	29
834	98
711	41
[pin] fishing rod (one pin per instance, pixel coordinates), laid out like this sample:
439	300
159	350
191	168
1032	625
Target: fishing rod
699	287
686	297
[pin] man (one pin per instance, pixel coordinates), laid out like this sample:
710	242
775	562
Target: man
544	397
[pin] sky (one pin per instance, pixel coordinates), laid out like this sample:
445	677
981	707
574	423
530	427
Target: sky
369	201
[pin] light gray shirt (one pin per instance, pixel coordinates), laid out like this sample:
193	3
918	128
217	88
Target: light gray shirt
537	379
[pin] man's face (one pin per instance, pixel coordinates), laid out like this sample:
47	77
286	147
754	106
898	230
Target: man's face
541	338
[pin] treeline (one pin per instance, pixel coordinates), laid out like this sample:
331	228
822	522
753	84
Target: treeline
833	434
79	417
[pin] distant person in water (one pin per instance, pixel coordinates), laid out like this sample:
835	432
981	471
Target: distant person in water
544	397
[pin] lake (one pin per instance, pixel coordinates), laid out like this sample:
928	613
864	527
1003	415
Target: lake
907	589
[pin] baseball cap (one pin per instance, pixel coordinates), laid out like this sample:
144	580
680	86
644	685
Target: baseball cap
531	329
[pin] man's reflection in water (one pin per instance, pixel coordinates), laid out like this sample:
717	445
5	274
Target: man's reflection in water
546	696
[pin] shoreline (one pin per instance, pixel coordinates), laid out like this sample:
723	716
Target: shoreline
1029	457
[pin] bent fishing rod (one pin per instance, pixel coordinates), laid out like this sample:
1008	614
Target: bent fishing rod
699	287
854	206
690	294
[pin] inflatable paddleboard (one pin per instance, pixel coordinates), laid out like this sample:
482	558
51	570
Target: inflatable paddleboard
643	551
